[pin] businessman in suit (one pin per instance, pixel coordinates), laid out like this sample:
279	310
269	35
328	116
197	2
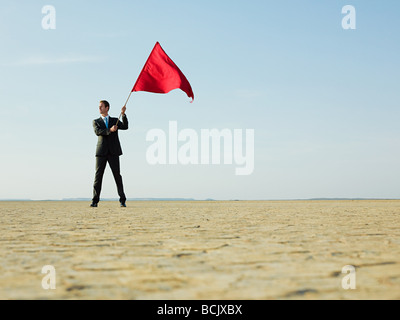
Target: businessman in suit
108	150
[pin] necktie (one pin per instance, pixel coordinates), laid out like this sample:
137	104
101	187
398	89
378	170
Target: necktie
105	119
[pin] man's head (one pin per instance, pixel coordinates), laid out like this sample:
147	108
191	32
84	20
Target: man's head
104	106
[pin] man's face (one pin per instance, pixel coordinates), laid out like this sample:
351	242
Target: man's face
103	109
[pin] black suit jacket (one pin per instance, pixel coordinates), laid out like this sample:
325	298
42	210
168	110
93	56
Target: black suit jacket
108	142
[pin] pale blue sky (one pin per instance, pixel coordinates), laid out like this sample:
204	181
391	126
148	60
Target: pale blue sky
323	101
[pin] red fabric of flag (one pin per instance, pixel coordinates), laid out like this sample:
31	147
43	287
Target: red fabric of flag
161	75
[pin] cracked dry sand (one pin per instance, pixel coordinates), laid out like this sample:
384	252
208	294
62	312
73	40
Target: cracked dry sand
200	250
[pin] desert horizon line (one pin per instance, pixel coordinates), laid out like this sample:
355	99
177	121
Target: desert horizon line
194	199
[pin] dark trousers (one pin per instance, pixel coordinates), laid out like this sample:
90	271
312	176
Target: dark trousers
101	163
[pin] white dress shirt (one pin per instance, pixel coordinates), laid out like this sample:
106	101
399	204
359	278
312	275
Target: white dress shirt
108	120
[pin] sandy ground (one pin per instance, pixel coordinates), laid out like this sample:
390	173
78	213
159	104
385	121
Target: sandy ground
200	250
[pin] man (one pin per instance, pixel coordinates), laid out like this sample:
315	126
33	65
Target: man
108	150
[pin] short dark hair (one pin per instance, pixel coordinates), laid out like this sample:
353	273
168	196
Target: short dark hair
106	104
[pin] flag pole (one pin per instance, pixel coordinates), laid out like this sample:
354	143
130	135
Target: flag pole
155	46
124	106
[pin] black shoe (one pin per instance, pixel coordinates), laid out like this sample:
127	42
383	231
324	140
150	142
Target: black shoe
94	205
123	205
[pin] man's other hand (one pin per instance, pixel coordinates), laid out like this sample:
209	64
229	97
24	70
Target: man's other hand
123	109
114	128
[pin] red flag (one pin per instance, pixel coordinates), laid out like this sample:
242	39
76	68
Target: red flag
161	75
